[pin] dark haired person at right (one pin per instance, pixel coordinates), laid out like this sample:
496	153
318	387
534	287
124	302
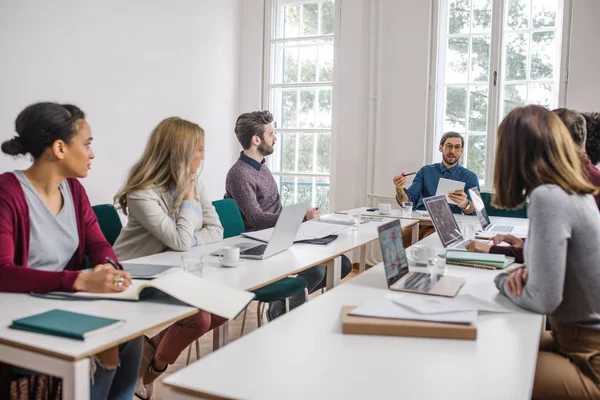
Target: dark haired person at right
536	159
576	125
250	183
48	227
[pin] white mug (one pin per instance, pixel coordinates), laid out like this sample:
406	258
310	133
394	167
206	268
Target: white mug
231	254
420	254
385	208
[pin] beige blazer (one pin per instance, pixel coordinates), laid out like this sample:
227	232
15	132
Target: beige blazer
151	229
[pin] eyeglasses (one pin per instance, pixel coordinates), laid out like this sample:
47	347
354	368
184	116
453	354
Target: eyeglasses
449	147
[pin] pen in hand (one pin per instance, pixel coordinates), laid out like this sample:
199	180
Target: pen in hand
114	264
409	174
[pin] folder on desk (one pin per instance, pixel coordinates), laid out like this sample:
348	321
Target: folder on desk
360	325
65	323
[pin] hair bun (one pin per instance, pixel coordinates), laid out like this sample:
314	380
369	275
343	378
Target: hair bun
14	146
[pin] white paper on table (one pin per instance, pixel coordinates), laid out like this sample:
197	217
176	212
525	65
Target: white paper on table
385	308
308	230
446	186
440	305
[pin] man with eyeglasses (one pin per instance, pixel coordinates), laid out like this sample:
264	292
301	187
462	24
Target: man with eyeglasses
427	178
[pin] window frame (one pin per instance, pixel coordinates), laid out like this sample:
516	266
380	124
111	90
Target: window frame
495	84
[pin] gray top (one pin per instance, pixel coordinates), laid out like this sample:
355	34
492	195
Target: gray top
53	239
562	254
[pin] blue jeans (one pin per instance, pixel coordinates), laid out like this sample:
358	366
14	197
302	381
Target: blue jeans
118	382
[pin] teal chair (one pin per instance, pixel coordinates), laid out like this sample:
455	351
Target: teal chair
109	221
283	289
496	212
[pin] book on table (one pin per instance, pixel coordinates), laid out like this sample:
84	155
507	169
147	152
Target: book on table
204	294
478	260
65	323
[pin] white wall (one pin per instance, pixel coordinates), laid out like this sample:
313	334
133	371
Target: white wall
127	64
583	92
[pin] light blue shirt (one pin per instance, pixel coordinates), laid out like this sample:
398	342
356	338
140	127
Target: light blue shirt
426	182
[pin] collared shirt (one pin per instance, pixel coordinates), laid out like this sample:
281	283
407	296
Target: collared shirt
426	182
251	161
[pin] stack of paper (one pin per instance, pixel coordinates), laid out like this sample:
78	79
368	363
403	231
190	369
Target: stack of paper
435	305
478	260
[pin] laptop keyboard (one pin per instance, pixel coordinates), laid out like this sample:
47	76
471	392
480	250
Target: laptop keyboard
502	228
419	281
255	251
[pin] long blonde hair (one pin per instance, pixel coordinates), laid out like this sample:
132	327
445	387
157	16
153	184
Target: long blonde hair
166	161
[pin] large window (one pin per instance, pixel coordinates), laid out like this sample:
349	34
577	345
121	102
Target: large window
299	94
493	56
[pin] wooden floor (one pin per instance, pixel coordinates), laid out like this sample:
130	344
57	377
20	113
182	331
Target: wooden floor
235	327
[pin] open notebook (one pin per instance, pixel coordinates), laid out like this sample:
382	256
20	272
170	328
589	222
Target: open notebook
203	294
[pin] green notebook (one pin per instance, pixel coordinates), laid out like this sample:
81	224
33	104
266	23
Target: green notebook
478	260
65	323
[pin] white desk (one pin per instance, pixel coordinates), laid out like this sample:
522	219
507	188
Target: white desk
67	358
304	355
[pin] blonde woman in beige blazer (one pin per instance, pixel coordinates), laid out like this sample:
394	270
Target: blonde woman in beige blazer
168	209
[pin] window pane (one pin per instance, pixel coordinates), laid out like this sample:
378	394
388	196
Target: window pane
305	189
290	107
517	14
456	60
544	13
291	20
481	21
456	109
478	108
288	152
322	195
306	145
326	63
480	59
310	18
516	56
459	16
541	94
287	191
324	114
514	96
328	17
543	55
308	64
307	109
323	152
290	65
476	155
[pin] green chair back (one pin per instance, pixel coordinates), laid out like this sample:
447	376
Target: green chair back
496	212
109	221
230	217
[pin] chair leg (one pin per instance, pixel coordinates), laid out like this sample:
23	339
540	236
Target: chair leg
287	305
322	290
197	349
259	314
244	321
306	298
189	356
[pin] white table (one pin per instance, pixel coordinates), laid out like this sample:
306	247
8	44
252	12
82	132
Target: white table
304	355
68	358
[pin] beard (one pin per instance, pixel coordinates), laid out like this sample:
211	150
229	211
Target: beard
450	161
265	150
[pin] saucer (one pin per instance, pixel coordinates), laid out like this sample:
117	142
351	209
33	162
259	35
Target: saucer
231	265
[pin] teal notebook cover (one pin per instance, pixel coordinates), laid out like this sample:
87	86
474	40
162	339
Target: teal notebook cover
65	323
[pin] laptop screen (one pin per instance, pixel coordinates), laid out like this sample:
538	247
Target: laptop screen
443	220
480	210
394	256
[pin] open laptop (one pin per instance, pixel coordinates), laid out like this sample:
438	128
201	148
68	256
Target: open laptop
445	223
281	239
398	276
489	229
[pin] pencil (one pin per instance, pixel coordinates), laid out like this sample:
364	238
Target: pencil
409	174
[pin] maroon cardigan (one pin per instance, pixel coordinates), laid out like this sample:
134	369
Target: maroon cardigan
15	275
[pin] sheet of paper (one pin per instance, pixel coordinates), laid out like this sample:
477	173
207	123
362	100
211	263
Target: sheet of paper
440	305
308	230
446	186
386	308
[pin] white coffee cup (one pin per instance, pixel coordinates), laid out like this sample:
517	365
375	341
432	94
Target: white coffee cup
385	208
231	254
420	254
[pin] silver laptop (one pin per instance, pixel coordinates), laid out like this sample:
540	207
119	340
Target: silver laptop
397	273
282	238
445	223
489	229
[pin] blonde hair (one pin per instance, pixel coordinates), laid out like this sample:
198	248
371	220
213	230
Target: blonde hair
166	161
535	148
